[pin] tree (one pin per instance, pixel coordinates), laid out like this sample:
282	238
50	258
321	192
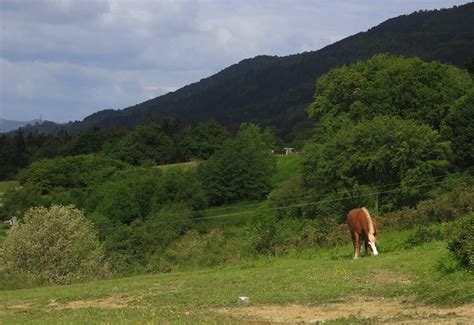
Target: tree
203	140
367	156
145	143
240	169
70	172
458	127
139	192
55	245
387	85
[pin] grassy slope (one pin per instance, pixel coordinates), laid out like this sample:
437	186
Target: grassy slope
312	278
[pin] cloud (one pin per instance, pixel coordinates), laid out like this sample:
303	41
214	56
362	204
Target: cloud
66	59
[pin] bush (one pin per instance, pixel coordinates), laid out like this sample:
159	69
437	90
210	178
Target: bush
444	208
55	245
203	250
462	245
425	234
70	172
141	245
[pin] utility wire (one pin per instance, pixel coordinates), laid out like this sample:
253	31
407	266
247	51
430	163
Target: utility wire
295	205
302	197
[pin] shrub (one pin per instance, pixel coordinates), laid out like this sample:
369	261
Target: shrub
462	244
70	172
444	208
424	234
55	245
142	244
203	250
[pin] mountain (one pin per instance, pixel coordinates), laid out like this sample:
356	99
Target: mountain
274	91
10	125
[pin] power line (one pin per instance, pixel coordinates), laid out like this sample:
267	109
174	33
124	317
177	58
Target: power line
302	197
295	205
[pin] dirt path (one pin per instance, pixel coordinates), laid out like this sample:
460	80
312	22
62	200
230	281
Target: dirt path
383	310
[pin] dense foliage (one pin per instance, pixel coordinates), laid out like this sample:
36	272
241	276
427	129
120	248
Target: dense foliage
462	242
145	143
157	142
365	157
408	88
55	245
202	141
241	169
70	171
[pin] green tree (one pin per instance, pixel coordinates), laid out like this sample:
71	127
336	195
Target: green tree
144	241
19	200
70	172
371	154
139	192
145	143
202	141
240	169
56	245
387	85
458	127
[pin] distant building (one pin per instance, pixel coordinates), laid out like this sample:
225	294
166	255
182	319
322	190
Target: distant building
289	151
284	151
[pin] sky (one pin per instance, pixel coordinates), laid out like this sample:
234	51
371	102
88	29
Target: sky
62	60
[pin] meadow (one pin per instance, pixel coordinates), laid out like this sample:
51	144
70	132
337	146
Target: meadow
410	281
310	286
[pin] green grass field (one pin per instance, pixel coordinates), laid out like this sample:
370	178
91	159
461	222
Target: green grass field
310	286
314	285
287	167
7	185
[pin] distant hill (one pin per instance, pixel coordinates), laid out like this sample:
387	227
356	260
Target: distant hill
29	126
10	125
274	91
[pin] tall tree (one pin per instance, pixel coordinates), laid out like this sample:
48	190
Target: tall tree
387	85
240	169
368	156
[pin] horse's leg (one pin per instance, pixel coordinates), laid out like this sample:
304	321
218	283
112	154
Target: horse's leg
356	242
366	244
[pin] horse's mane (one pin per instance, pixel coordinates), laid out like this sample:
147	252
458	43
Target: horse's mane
369	223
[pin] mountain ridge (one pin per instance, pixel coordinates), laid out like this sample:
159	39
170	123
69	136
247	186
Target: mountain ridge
275	90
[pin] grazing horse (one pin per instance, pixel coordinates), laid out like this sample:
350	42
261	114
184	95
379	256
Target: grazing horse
362	227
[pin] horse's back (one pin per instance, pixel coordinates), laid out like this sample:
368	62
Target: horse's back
357	220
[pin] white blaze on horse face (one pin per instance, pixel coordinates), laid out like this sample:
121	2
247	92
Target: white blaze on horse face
374	249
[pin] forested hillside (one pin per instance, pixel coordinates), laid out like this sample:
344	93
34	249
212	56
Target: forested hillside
274	91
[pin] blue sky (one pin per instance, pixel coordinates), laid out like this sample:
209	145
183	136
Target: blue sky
65	59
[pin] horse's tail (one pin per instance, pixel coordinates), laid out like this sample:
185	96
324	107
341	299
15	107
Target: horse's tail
370	224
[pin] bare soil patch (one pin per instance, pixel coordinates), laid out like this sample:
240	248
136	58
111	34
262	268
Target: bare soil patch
384	310
112	302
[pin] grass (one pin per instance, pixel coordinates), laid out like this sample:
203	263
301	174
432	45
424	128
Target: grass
310	278
287	167
184	165
7	185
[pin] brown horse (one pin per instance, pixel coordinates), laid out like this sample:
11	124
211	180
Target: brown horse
362	227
